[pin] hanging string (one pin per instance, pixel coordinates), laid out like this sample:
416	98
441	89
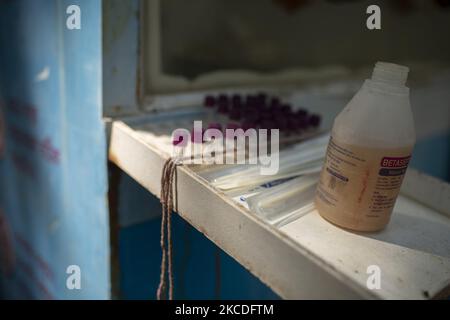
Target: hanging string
168	193
167	196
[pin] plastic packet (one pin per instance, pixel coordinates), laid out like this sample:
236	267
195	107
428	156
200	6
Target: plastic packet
303	158
286	202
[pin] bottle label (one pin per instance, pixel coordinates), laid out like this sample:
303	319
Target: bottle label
358	185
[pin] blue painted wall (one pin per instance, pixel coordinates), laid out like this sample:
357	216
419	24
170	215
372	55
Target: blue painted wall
432	156
199	274
53	206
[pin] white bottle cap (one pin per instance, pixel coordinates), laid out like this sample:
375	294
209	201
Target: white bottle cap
390	72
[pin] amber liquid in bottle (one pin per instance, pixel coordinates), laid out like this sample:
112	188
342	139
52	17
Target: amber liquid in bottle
359	185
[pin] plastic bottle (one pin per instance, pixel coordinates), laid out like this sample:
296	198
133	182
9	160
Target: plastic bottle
368	153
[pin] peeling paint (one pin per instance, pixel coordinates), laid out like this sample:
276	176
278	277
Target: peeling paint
43	75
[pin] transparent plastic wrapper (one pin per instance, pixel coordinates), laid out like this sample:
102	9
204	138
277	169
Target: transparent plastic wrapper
303	158
286	202
240	195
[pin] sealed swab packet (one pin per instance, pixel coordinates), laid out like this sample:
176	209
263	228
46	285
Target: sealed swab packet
286	202
303	158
